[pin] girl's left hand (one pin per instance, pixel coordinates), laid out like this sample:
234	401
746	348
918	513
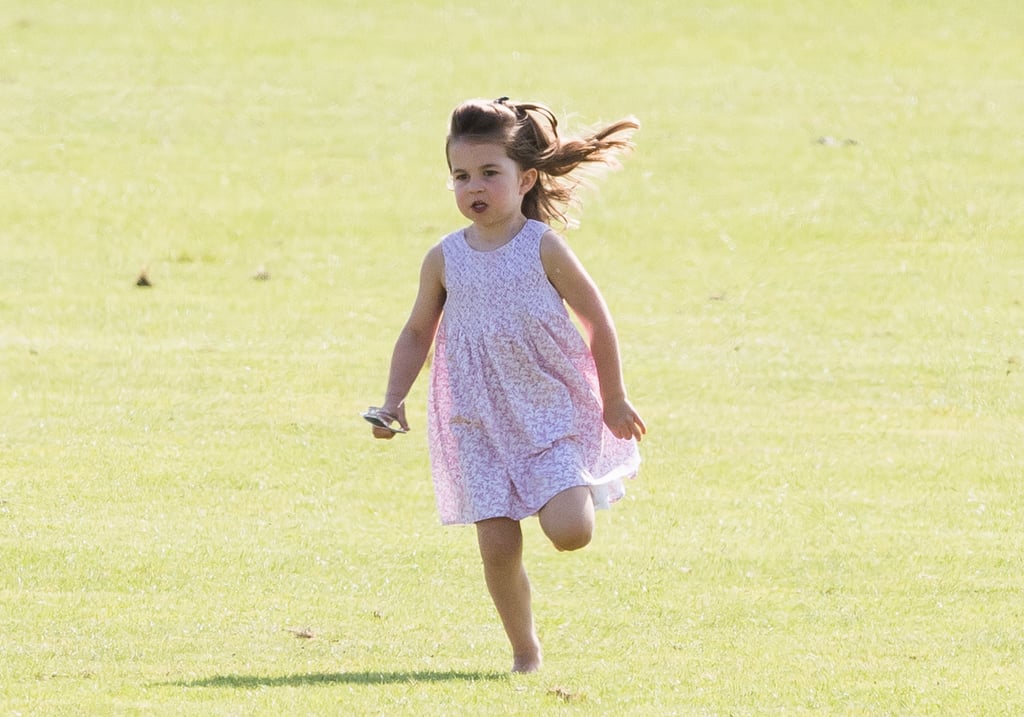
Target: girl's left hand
623	420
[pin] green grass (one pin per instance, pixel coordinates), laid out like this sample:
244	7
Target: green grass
814	259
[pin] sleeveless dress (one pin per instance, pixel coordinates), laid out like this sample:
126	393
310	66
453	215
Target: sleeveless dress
514	413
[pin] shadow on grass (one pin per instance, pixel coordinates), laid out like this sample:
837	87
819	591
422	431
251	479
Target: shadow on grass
336	678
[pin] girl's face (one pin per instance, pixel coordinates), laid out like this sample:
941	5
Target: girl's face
489	186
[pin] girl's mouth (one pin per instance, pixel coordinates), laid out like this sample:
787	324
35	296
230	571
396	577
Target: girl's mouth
478	206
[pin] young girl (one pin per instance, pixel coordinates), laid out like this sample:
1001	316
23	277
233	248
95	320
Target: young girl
524	417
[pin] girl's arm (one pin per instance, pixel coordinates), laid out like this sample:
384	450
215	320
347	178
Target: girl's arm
414	341
570	279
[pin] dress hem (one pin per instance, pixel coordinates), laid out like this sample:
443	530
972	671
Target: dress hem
606	492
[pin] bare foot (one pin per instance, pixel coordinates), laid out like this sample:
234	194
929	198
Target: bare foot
527	663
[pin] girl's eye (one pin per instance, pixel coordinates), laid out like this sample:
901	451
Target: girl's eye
491	173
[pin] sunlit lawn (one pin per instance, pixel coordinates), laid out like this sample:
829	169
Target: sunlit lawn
814	259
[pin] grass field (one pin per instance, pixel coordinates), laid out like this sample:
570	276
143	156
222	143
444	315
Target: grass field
815	260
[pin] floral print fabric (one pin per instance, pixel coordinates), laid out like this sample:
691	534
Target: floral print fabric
514	413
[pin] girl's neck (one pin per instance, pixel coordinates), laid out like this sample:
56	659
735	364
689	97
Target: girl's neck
490	237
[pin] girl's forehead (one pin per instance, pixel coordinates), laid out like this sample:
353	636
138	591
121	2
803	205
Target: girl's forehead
466	153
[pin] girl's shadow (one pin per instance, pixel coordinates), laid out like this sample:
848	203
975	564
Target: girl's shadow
337	678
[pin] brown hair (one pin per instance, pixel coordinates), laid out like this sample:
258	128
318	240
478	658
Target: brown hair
529	133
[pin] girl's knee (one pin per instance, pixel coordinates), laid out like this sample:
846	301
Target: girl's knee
568	519
500	541
571	537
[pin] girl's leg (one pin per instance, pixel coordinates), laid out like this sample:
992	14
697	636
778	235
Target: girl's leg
568	518
501	547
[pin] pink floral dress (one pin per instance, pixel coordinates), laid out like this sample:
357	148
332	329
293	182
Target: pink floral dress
514	412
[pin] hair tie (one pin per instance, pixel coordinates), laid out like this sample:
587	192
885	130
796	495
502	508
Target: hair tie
518	110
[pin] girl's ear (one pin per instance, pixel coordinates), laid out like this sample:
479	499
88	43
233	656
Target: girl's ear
526	180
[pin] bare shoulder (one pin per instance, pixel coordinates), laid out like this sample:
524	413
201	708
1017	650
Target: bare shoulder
435	255
552	244
432	270
556	255
559	260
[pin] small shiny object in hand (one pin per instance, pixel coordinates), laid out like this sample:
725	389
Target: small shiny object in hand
383	419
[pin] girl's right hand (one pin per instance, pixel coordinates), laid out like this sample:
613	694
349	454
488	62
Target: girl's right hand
396	412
